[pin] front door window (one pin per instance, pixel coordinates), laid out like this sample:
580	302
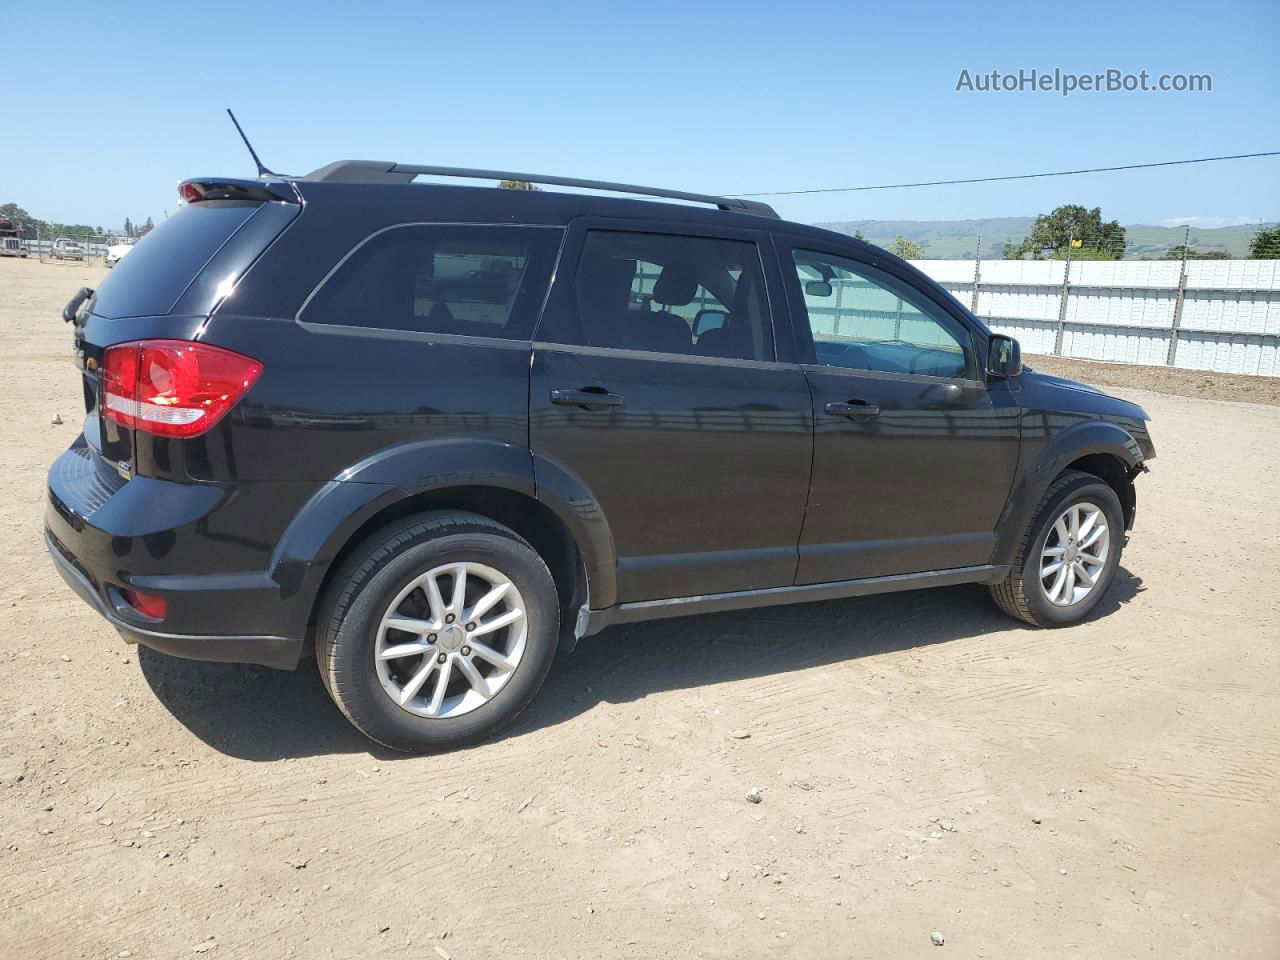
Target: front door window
862	318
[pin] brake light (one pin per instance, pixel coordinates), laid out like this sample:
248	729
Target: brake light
173	388
148	604
190	193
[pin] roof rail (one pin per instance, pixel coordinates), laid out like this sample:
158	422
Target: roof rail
384	171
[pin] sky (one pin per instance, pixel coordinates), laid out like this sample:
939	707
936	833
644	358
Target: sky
113	102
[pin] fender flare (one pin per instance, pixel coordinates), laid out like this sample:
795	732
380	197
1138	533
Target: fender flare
569	498
340	507
1078	440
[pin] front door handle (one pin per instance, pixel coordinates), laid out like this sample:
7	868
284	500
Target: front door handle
853	410
589	398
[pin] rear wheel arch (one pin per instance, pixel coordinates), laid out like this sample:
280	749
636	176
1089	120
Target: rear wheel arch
530	519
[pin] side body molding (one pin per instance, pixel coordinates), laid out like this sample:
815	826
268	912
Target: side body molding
1047	449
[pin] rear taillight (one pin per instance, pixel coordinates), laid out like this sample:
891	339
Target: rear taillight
173	388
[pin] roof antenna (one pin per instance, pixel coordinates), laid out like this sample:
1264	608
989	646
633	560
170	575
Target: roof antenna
262	171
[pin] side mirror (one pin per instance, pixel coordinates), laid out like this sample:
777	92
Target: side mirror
1004	357
818	288
708	320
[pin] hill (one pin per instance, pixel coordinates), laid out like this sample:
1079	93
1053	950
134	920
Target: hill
958	239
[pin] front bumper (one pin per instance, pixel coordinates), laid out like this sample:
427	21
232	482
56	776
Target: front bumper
107	535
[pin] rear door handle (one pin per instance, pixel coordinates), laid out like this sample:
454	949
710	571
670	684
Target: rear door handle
853	410
589	398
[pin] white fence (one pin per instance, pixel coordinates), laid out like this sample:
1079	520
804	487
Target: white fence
1220	315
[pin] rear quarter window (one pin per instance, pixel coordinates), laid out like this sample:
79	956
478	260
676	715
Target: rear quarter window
175	255
481	281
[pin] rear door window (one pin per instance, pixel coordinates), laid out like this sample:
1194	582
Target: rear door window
666	293
482	281
172	257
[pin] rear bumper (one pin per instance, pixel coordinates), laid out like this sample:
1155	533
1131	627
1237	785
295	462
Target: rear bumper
279	652
106	535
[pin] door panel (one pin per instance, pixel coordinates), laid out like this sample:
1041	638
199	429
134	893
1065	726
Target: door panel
701	471
913	455
655	383
917	486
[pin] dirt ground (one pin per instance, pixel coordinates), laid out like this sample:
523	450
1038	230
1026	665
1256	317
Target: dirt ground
1204	384
925	764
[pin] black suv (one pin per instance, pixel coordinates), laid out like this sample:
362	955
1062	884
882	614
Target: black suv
438	433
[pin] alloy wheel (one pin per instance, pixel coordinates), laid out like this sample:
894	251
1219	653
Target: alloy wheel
451	640
1074	554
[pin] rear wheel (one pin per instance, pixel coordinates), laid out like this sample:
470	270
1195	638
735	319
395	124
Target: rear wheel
1068	555
438	631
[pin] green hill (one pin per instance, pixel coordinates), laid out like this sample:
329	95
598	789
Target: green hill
958	239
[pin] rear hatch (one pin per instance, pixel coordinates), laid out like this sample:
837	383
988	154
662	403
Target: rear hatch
169	284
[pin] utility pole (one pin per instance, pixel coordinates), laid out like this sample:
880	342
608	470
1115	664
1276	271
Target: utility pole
977	276
1062	304
1182	296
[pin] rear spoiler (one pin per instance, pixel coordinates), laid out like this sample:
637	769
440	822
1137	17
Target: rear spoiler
261	191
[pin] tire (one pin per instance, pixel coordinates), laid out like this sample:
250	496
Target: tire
378	581
1024	593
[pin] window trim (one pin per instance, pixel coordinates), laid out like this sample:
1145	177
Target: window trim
803	331
581	349
562	294
420	335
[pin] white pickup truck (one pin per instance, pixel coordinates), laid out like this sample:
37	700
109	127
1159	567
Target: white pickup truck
64	249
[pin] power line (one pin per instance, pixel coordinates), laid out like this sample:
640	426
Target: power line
1019	176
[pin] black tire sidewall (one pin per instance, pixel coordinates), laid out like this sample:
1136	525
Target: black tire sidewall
353	678
1098	492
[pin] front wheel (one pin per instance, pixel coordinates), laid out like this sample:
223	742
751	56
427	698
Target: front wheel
438	631
1068	555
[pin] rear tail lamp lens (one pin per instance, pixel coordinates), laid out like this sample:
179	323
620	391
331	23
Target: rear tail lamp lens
148	604
173	388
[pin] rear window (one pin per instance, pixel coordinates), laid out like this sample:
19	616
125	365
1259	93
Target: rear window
480	281
170	258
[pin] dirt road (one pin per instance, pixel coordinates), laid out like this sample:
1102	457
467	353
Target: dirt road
925	764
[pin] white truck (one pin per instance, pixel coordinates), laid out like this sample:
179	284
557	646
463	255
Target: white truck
65	249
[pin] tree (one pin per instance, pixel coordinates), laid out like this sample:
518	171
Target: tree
146	228
1264	246
517	185
29	226
1072	229
23	222
906	249
128	227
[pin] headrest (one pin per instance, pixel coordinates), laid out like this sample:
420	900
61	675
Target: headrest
676	284
606	281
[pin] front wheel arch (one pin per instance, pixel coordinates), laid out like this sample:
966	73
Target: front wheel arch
1098	444
1119	477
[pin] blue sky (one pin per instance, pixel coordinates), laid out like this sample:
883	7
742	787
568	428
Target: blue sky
120	99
